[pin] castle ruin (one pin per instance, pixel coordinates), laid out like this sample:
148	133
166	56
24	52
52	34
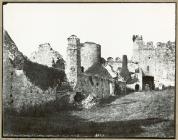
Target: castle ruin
84	71
157	63
152	66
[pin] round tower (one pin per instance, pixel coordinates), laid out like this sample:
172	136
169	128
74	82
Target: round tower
90	54
73	64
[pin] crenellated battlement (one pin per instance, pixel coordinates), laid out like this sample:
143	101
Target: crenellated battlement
73	40
137	38
155	60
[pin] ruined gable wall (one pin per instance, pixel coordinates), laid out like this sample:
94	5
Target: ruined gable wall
45	55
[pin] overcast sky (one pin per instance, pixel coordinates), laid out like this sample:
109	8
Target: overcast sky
110	25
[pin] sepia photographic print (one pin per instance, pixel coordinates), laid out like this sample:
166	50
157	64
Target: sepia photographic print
89	70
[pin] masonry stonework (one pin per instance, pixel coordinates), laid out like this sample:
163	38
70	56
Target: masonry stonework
90	54
73	67
157	62
84	71
152	65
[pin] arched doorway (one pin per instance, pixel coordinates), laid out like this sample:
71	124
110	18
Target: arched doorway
148	82
82	69
136	87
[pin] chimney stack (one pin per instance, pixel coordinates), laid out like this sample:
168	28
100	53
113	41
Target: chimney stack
124	71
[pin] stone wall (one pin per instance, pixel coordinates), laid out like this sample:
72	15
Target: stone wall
147	61
26	94
8	72
139	80
86	55
165	64
133	66
26	83
157	61
115	65
45	55
19	91
97	86
73	64
137	43
90	54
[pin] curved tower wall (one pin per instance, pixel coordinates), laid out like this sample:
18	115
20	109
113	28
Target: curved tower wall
90	54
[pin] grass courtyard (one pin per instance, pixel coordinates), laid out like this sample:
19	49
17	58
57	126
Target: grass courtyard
138	114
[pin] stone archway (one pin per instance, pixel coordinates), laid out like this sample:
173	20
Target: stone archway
148	82
137	87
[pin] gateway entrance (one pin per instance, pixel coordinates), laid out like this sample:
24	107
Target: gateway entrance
148	82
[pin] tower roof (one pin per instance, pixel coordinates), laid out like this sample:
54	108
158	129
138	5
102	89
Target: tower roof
98	70
89	42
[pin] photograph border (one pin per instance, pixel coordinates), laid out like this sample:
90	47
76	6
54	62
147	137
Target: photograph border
84	2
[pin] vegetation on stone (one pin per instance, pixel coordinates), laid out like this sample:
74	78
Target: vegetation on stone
26	83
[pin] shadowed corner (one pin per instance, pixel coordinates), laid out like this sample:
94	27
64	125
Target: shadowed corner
4	3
